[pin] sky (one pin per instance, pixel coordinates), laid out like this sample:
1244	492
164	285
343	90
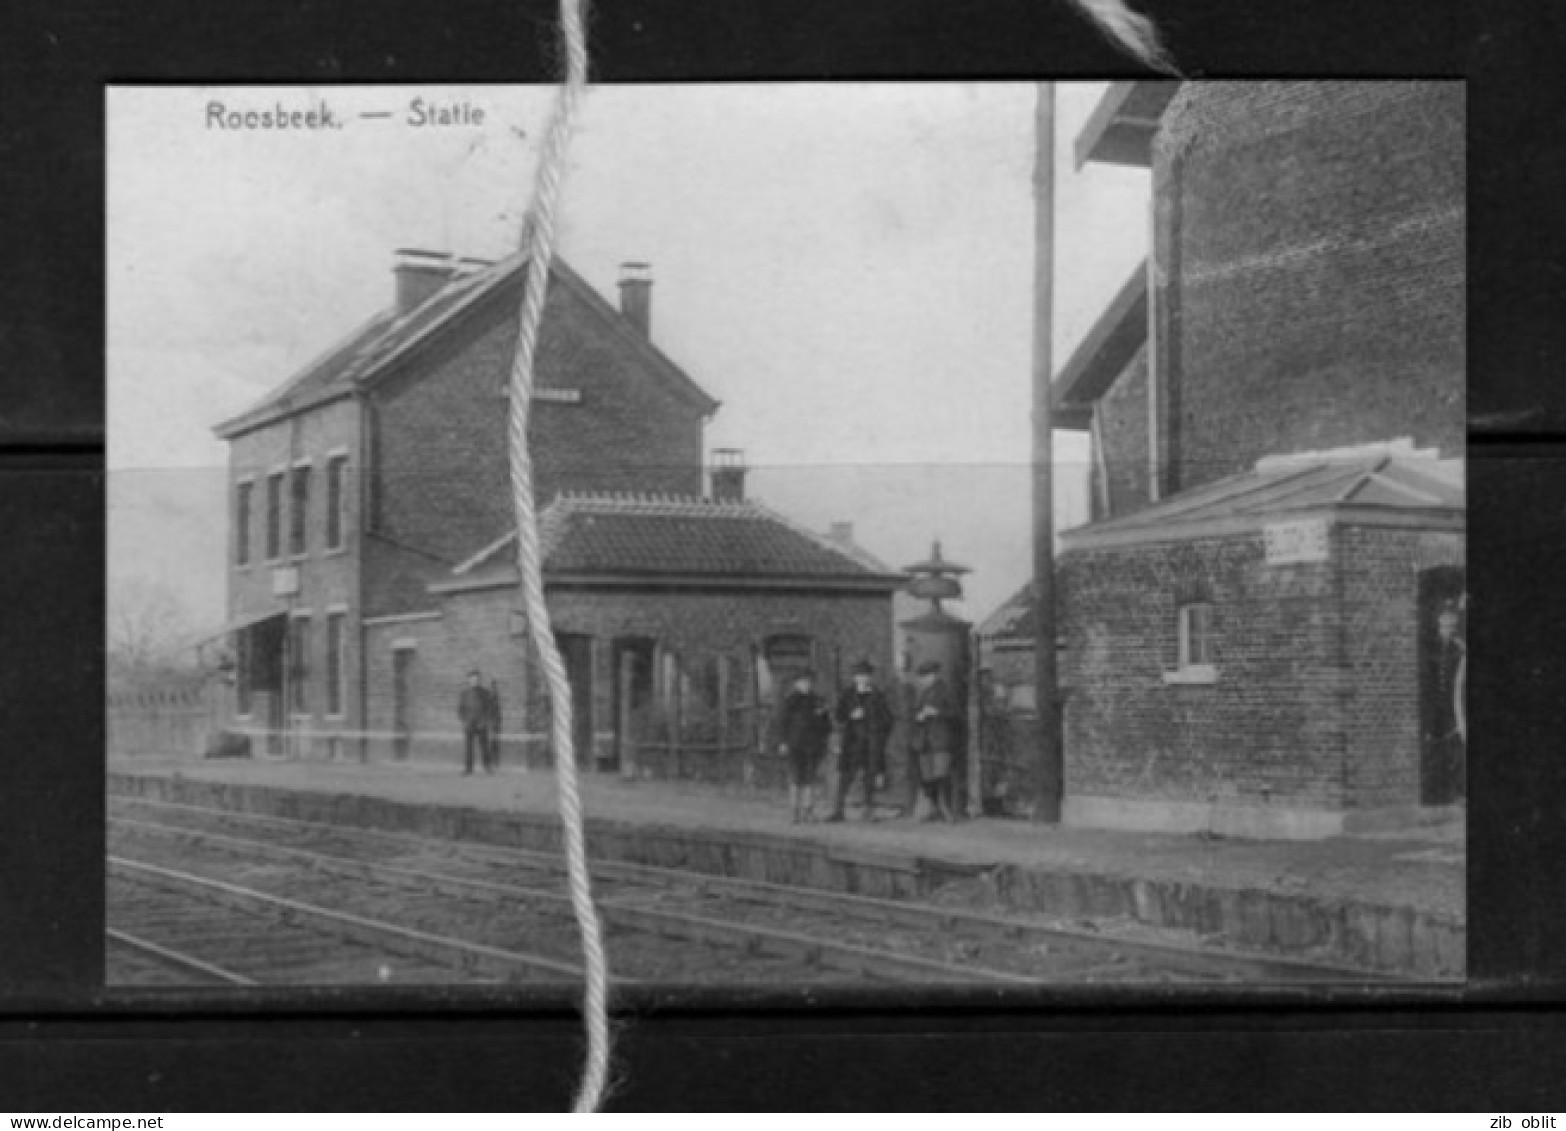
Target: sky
848	268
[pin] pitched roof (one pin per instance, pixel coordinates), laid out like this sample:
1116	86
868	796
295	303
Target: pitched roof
372	349
663	537
1374	488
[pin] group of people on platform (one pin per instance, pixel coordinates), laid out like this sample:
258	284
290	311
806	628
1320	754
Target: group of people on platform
862	722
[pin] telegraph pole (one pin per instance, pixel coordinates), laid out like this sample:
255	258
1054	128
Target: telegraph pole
1051	767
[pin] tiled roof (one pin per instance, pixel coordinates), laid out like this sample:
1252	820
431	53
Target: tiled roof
663	536
368	351
1013	620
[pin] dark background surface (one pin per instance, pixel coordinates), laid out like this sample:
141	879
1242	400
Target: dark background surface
1498	1046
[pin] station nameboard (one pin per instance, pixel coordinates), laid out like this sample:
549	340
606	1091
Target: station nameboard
1300	541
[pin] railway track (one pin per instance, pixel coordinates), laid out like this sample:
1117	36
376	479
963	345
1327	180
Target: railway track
664	925
197	930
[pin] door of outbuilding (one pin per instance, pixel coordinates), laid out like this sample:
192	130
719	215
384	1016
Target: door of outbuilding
576	653
1442	765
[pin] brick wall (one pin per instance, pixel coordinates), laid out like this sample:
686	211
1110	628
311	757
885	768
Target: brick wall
1272	724
442	489
1314	239
328	579
473	630
465	634
1123	434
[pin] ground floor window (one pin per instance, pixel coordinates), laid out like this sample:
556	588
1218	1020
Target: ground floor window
334	663
1196	635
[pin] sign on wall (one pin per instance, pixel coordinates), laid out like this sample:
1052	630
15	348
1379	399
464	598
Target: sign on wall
1300	541
285	581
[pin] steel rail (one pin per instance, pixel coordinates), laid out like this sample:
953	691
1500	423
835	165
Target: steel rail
1168	955
408	941
178	958
810	949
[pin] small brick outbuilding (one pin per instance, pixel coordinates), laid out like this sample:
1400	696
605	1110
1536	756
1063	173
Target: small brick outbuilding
1252	656
680	620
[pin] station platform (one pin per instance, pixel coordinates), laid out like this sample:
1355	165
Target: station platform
1391	901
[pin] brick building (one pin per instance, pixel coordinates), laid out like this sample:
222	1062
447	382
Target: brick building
1276	409
362	489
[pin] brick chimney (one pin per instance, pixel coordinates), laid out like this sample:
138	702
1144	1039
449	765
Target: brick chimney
420	274
842	533
728	475
636	296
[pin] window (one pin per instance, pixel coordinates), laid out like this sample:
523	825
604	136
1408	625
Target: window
334	663
334	501
244	673
1195	653
298	665
784	656
299	514
242	504
274	516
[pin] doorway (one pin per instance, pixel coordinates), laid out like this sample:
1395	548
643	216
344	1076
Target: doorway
263	645
402	703
632	695
1442	757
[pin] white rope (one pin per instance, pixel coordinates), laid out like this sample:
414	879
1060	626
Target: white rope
539	243
1133	32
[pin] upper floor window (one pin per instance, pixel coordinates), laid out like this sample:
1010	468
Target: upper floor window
299	512
274	516
335	501
243	497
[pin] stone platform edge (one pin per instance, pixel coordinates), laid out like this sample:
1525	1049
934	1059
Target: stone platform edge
1376	938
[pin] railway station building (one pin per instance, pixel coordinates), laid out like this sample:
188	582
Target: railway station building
372	541
1275	404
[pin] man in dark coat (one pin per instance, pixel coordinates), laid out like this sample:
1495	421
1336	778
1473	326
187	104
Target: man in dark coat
477	710
865	722
934	739
804	726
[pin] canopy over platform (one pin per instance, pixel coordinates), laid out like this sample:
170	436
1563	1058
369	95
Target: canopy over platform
1121	129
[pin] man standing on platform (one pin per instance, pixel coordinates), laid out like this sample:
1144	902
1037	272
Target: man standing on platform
477	710
865	722
805	725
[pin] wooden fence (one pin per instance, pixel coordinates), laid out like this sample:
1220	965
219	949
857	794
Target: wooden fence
167	721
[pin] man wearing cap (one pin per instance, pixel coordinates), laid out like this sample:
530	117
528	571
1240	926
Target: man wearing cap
865	721
804	726
933	740
478	711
